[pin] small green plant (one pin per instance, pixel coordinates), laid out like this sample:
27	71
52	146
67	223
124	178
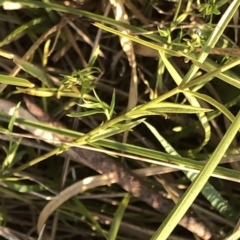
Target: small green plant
82	79
209	9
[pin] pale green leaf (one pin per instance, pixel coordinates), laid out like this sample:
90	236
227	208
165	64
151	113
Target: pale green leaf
16	81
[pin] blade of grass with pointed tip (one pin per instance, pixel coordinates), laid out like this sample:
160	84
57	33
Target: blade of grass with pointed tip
85	212
166	107
23	27
16	81
118	217
214	103
34	71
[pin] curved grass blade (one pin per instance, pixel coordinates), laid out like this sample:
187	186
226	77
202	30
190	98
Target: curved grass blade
34	71
194	102
214	103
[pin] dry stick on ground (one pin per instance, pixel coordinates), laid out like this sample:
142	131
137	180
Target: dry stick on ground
104	164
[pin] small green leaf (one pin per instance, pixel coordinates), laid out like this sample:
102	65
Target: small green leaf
13	118
140	113
34	71
21	82
94	57
116	129
11	154
90	105
112	105
18	31
177	108
96	96
216	11
84	114
115	225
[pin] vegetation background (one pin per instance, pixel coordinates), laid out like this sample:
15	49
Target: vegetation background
109	109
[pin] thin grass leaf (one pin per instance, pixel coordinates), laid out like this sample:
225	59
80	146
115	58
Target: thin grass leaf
140	41
11	155
214	103
118	217
139	113
16	81
18	31
193	101
34	71
85	114
93	105
94	57
13	118
21	187
112	105
85	212
115	130
213	71
51	92
166	107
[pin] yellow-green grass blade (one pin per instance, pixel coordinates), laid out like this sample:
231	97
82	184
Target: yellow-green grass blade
16	81
192	192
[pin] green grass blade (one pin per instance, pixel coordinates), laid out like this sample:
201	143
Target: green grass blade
194	102
34	71
16	81
118	217
18	31
214	71
85	212
214	103
192	192
138	40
